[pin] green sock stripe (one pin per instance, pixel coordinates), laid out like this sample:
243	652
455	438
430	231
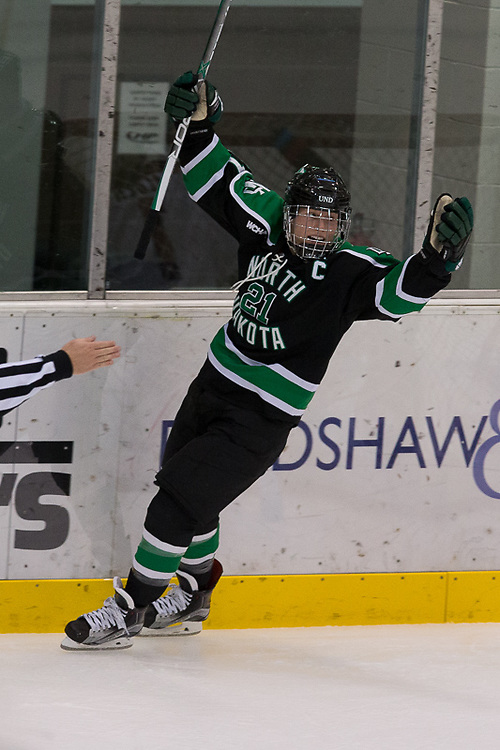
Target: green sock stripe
156	559
202	549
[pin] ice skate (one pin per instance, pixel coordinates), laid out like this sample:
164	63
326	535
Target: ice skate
181	612
109	627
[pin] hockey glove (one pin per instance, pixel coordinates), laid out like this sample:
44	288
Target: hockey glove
449	230
184	99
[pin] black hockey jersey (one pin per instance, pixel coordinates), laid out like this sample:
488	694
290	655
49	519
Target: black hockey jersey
289	314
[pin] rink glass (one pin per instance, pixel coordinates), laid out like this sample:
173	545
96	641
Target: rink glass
334	83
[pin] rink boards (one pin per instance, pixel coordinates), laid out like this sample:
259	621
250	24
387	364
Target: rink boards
392	474
279	601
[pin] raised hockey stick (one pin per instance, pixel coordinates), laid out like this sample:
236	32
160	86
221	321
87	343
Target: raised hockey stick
180	134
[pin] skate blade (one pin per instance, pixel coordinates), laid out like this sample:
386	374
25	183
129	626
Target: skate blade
68	645
181	628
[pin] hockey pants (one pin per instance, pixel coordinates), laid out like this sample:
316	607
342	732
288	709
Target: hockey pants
214	452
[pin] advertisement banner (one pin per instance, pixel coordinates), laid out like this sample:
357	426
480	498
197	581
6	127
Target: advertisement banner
394	466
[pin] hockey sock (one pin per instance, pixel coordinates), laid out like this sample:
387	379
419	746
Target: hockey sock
142	592
156	561
168	531
195	568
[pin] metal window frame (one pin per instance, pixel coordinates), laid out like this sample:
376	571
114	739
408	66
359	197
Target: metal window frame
428	118
108	20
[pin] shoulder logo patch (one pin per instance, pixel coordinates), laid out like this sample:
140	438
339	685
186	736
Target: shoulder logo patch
254	188
255	227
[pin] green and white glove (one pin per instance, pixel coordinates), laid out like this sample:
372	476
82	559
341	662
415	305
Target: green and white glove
449	230
186	99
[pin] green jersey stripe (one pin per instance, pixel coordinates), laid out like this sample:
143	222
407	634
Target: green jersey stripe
270	385
201	173
278	403
288	374
260	203
390	298
408	297
201	155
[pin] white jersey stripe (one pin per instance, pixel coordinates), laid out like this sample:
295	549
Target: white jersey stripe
362	256
26	378
197	159
21	380
6	404
279	369
206	187
265	396
260	219
403	295
379	290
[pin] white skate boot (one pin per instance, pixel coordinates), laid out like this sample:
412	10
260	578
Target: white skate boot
181	612
109	627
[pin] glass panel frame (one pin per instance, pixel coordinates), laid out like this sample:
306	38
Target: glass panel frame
432	92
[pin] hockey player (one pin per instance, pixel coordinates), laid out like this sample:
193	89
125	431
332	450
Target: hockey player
21	380
302	286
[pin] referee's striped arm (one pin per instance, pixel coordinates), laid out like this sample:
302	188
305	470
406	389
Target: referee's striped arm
21	380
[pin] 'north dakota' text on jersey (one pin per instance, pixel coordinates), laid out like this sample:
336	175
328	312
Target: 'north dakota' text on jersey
289	314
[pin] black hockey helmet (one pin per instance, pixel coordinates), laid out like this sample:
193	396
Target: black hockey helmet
315	192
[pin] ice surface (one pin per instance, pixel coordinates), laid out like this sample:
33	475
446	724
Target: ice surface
403	687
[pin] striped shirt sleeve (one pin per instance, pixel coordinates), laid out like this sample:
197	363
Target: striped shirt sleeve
21	380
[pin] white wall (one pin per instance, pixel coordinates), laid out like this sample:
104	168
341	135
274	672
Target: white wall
427	506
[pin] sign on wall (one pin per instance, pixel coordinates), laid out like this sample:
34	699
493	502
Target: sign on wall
142	127
393	468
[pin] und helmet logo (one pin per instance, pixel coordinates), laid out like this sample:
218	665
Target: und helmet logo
316	188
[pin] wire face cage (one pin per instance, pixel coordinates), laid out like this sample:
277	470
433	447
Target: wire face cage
314	233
